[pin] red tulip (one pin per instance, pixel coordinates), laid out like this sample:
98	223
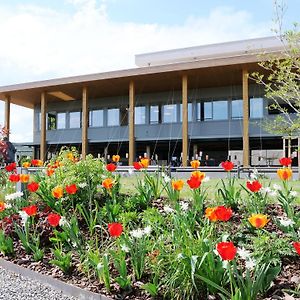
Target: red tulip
254	186
227	165
71	189
223	213
194	182
14	177
53	219
137	165
111	167
115	229
33	187
285	161
227	250
297	247
30	210
11	167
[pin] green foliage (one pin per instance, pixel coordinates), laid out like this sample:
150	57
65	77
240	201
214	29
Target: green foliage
6	244
62	260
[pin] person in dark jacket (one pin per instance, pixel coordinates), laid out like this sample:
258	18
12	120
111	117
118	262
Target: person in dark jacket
9	156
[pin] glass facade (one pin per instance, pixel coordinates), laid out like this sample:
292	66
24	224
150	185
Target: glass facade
51	121
61	121
220	110
256	108
113	117
170	113
237	109
154	114
96	118
198	113
140	115
75	119
208	112
190	112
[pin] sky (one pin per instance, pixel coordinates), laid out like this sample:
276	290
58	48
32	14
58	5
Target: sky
44	39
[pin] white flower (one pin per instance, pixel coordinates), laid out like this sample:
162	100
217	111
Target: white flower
137	233
166	178
225	264
206	179
99	267
125	248
285	221
168	209
63	221
82	185
147	230
14	196
24	217
250	263
184	206
266	190
243	253
276	187
273	193
293	193
7	205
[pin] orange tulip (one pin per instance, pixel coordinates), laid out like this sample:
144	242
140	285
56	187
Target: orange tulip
285	173
24	178
107	183
26	164
177	184
258	220
2	206
198	174
58	192
210	214
195	164
115	158
144	162
50	172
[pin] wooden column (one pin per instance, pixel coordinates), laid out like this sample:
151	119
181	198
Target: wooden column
7	114
245	119
184	120
43	126
85	122
131	157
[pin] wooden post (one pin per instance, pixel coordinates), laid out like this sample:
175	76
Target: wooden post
245	119
131	123
43	126
148	151
184	120
7	114
85	122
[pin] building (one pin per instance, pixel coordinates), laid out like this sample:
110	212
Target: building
176	105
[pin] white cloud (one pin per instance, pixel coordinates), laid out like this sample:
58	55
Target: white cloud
41	43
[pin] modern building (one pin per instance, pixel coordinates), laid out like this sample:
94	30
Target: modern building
176	105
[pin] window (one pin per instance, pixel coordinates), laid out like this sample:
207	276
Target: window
198	113
75	119
256	108
220	110
140	115
38	121
51	121
208	111
96	118
61	121
113	117
154	114
190	112
170	113
237	109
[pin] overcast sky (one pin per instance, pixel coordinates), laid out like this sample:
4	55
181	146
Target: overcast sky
43	39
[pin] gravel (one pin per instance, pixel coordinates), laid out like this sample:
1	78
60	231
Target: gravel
16	287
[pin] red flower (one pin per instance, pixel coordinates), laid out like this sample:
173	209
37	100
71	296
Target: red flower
14	177
223	213
194	182
227	165
33	187
11	167
111	167
297	247
71	189
137	165
115	229
254	186
30	210
53	219
285	161
227	250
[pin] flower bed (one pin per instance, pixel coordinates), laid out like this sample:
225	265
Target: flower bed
72	223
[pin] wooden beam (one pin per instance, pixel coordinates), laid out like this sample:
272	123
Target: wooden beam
246	151
7	114
85	122
131	123
184	120
43	126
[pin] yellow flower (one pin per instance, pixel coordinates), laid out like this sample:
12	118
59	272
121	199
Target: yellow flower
115	158
198	174
70	156
26	164
144	162
210	213
24	178
195	164
177	184
284	173
258	220
58	192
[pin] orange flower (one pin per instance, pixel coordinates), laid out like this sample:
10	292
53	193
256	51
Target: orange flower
144	162
285	173
258	220
115	158
2	206
24	178
195	164
26	164
177	184
37	163
210	214
50	172
198	174
57	192
108	183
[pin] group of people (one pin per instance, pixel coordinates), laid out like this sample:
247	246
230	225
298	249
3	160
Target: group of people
7	149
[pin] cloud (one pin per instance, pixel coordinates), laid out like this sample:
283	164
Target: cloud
42	43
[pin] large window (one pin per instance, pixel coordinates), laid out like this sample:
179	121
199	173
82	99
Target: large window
154	114
61	121
215	110
237	109
256	108
96	118
208	110
51	121
140	115
170	113
198	112
75	119
190	112
113	117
